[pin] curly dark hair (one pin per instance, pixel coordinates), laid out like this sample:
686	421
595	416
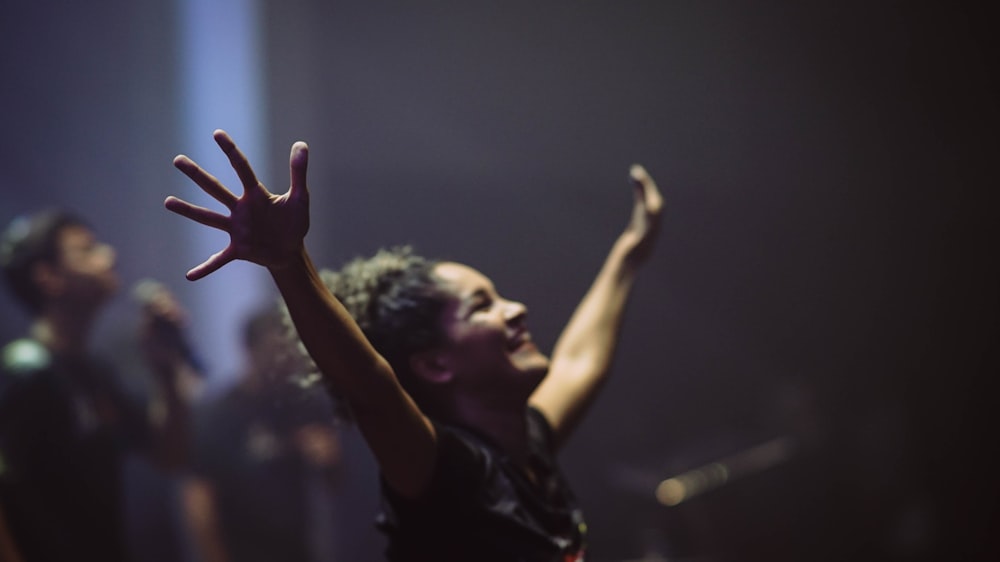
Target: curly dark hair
396	301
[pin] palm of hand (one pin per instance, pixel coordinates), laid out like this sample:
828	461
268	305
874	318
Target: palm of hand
268	229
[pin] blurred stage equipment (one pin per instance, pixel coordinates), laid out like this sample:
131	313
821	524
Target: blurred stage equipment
678	489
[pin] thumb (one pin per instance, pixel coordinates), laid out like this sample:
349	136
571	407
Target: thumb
298	161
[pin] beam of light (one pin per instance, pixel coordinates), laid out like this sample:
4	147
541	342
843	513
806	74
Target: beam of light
220	56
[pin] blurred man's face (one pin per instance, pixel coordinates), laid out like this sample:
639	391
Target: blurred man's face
85	266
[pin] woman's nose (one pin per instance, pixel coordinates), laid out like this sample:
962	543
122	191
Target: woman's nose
514	311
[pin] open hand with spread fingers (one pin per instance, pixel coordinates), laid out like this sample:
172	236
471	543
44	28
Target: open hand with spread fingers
264	228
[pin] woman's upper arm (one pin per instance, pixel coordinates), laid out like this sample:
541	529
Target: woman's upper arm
402	438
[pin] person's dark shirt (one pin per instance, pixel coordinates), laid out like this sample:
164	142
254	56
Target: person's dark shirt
246	449
481	506
65	426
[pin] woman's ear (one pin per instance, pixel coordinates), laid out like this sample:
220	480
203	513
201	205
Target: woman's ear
431	366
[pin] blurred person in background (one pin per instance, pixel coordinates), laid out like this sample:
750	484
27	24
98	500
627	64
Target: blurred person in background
266	461
67	421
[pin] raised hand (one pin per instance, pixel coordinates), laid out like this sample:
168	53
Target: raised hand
264	228
641	231
582	356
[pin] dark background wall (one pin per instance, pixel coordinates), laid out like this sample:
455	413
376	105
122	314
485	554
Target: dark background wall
826	273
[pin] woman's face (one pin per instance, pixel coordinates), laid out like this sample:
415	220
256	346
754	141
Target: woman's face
488	343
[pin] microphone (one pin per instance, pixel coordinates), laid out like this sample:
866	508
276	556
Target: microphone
145	292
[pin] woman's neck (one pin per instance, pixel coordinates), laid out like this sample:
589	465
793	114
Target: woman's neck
506	427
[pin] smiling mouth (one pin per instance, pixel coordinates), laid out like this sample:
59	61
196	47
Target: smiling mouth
520	341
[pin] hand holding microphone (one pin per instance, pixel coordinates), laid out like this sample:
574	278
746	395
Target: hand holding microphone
162	326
